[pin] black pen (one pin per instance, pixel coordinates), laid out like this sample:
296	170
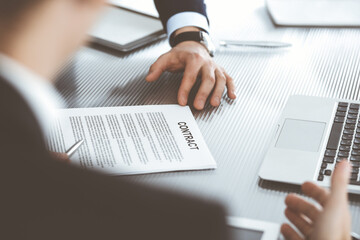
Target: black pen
74	148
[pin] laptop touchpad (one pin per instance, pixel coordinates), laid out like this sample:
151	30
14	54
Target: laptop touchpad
301	135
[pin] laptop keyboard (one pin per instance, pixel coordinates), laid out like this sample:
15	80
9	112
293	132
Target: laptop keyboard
344	142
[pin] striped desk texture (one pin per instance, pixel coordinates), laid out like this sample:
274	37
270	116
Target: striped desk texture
322	62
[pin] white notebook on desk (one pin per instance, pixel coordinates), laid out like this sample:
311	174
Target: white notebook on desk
143	6
133	140
125	30
329	13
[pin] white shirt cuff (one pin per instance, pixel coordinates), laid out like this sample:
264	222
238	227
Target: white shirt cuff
186	19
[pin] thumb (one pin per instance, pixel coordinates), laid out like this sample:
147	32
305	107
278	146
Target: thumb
340	181
158	68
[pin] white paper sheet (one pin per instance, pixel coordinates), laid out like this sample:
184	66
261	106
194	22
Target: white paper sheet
133	140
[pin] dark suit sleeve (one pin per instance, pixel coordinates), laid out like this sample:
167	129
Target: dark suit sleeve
168	8
44	199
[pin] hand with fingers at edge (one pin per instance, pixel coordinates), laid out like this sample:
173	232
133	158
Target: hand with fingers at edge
194	59
329	222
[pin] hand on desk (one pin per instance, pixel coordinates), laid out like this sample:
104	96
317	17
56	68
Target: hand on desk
194	59
332	221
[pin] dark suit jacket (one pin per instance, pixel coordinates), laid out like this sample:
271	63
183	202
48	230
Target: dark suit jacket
44	199
168	8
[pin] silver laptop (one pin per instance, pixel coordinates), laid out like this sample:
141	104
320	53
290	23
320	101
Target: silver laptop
313	135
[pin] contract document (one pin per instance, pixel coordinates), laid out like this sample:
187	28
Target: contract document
132	140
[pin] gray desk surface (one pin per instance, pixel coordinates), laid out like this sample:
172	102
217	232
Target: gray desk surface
323	62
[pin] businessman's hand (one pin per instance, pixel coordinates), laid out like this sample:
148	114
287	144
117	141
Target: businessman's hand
195	60
329	222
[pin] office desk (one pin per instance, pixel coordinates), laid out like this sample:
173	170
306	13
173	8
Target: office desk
322	62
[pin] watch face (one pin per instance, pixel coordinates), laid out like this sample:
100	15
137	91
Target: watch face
206	41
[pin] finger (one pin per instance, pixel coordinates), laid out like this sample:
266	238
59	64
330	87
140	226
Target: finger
289	233
219	88
230	86
299	222
158	68
315	192
207	85
299	205
336	210
340	181
191	73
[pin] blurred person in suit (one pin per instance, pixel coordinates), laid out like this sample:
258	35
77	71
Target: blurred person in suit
42	198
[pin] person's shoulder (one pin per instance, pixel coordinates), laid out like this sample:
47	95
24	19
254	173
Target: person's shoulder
18	125
13	104
11	98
